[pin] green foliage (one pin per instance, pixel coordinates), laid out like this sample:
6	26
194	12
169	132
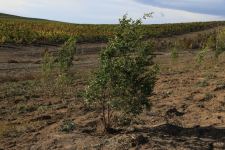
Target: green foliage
211	42
67	126
66	55
216	42
47	65
25	108
126	76
65	61
174	54
56	74
201	55
47	74
22	90
220	42
63	83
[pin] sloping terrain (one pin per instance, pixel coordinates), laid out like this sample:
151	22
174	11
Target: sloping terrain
187	107
187	113
29	31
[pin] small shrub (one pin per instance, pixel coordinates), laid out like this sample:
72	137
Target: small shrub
63	82
23	90
214	42
44	108
211	41
220	42
65	62
67	126
201	56
208	96
12	132
66	55
47	74
25	108
174	54
203	83
126	76
56	77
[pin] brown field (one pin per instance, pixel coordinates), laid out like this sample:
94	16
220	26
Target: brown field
188	105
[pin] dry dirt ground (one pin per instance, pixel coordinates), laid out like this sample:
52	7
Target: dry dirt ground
188	106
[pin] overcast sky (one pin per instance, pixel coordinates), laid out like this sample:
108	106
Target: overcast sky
108	11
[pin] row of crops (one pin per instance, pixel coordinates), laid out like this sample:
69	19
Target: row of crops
34	31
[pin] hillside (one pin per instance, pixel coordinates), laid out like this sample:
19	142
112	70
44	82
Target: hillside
9	16
21	30
45	87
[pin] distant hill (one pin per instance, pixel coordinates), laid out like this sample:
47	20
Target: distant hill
23	30
8	16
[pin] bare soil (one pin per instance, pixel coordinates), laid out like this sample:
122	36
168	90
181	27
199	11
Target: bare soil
188	106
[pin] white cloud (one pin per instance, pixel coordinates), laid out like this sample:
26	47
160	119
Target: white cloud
96	11
212	7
